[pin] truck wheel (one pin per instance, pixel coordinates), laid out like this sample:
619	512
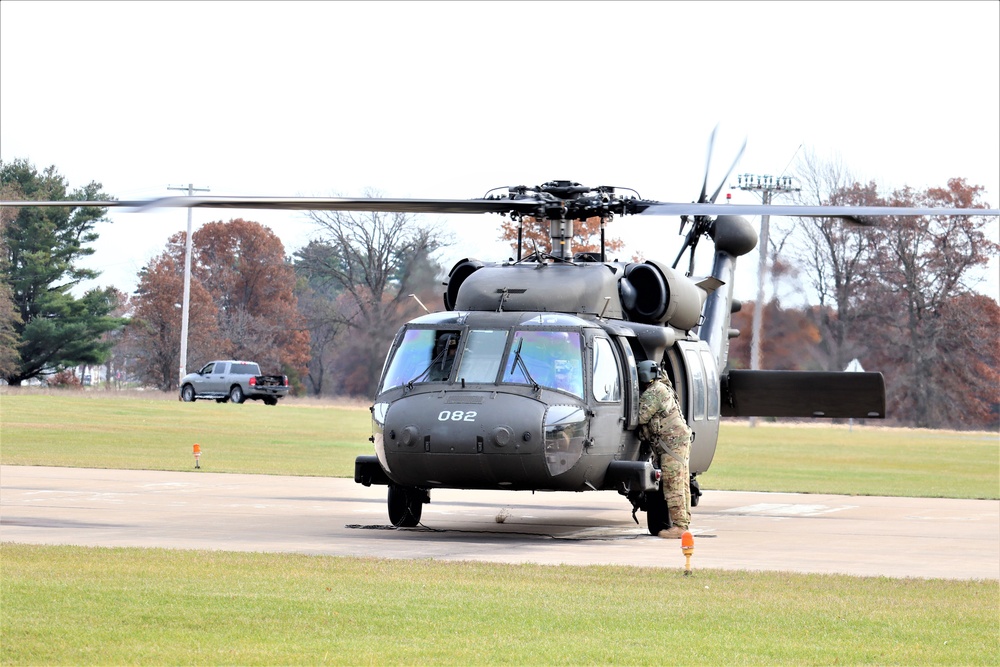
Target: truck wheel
187	393
236	394
405	507
270	400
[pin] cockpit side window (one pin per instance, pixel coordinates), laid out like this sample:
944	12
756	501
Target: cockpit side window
607	377
548	358
423	355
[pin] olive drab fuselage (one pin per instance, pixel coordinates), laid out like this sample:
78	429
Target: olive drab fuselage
528	379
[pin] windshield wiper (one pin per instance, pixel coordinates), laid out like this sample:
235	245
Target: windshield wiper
439	357
519	363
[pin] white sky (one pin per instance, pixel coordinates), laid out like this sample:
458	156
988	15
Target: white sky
450	99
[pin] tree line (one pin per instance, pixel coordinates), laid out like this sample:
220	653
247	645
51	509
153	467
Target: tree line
896	296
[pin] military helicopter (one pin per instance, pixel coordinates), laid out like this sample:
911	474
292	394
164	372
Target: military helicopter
528	378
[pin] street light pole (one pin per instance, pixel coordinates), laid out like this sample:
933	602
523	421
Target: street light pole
765	185
186	303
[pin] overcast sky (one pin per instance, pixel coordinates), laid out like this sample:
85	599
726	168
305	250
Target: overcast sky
451	99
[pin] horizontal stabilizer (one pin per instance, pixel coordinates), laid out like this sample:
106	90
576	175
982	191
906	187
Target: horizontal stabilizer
803	394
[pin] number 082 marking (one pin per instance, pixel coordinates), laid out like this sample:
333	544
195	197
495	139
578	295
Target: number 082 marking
457	416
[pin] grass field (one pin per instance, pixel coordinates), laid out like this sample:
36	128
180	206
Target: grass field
83	606
77	606
91	429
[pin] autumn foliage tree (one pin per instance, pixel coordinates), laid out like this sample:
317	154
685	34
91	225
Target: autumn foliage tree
153	337
790	338
536	235
243	265
897	295
242	300
916	276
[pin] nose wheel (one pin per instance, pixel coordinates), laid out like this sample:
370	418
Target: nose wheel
406	505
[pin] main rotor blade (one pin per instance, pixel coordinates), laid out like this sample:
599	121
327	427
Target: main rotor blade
525	206
854	212
353	204
21	203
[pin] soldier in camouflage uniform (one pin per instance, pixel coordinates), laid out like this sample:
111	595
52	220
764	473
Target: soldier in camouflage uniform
662	425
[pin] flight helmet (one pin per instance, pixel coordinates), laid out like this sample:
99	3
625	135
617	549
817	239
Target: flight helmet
648	371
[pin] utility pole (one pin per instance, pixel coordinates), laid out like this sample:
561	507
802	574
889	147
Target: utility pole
765	186
185	304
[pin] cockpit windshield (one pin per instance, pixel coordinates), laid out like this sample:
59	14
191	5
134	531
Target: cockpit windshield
548	358
483	355
424	355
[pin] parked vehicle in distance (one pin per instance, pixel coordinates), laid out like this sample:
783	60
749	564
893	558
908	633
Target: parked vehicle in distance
236	381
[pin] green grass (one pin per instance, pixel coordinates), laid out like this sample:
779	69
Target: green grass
297	437
828	458
75	605
97	430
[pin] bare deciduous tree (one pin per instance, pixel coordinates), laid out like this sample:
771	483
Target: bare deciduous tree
371	259
832	254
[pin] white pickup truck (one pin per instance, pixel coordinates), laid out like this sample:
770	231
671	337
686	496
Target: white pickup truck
235	381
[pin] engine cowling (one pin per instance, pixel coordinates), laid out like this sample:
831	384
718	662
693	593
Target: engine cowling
462	270
655	293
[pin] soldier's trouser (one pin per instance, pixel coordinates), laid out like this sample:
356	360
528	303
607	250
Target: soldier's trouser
677	480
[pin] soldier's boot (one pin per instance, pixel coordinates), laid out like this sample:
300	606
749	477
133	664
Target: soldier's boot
672	533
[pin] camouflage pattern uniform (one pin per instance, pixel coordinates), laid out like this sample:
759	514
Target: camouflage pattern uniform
662	425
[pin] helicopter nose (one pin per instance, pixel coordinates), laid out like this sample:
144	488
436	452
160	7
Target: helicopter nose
489	438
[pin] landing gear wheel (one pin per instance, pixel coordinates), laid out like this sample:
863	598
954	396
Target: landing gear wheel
405	506
187	393
657	512
236	394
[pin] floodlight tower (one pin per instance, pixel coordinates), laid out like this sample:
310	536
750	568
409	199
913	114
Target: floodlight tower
767	187
185	305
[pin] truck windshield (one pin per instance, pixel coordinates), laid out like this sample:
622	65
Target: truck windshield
549	358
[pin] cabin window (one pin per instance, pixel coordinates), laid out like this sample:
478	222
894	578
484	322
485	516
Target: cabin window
697	376
482	356
607	379
423	355
713	384
551	359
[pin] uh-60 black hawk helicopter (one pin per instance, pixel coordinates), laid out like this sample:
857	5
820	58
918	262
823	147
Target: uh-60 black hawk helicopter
528	379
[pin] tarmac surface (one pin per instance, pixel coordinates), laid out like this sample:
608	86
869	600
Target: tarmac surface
856	535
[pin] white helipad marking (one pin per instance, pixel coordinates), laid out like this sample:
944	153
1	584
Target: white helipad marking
775	509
